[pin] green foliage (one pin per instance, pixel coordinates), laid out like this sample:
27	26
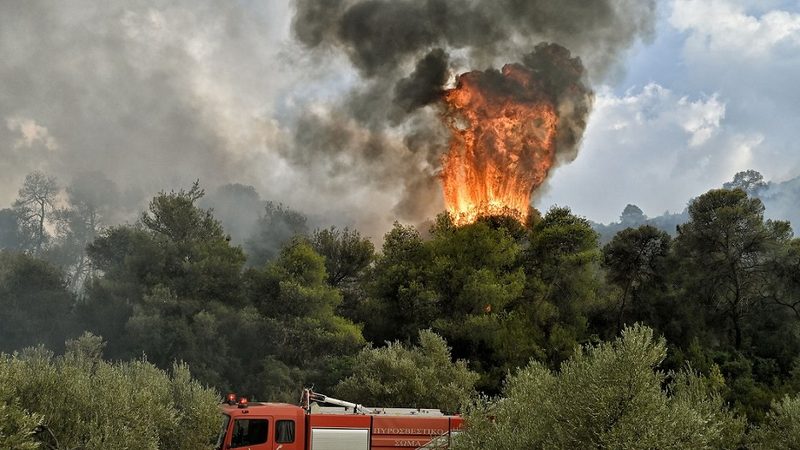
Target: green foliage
277	381
475	268
177	245
632	217
35	306
86	345
346	253
400	302
198	258
84	402
633	258
165	327
172	287
299	263
348	256
785	285
564	282
498	292
423	376
781	429
724	249
561	237
165	286
608	396
292	292
127	254
17	426
175	216
460	282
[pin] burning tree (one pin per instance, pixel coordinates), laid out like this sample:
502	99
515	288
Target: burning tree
508	129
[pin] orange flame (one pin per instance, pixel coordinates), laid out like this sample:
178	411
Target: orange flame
503	129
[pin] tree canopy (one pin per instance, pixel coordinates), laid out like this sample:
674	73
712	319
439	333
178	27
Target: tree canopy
429	317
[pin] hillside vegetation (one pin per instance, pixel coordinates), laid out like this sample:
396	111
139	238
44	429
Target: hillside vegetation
648	341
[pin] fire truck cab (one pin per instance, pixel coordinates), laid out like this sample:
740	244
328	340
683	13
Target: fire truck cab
347	426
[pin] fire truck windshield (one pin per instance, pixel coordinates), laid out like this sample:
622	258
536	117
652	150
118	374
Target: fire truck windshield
226	420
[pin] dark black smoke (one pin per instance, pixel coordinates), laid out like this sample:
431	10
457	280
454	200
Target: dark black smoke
405	51
424	85
564	79
381	35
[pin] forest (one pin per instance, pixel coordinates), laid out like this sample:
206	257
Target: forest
124	334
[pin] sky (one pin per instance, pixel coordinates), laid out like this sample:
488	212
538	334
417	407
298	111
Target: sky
714	93
155	94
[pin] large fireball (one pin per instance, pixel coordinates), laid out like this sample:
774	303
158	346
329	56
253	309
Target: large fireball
507	128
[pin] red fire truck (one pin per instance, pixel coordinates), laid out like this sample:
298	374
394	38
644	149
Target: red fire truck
344	426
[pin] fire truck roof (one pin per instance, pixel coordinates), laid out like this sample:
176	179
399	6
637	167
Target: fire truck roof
377	411
259	407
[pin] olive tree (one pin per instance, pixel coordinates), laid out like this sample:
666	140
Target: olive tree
81	401
422	376
781	429
608	396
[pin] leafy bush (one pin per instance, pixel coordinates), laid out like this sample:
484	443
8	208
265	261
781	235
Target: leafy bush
424	376
84	402
17	426
781	428
608	396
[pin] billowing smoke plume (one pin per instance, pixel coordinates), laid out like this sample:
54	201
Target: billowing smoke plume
379	36
405	51
327	106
